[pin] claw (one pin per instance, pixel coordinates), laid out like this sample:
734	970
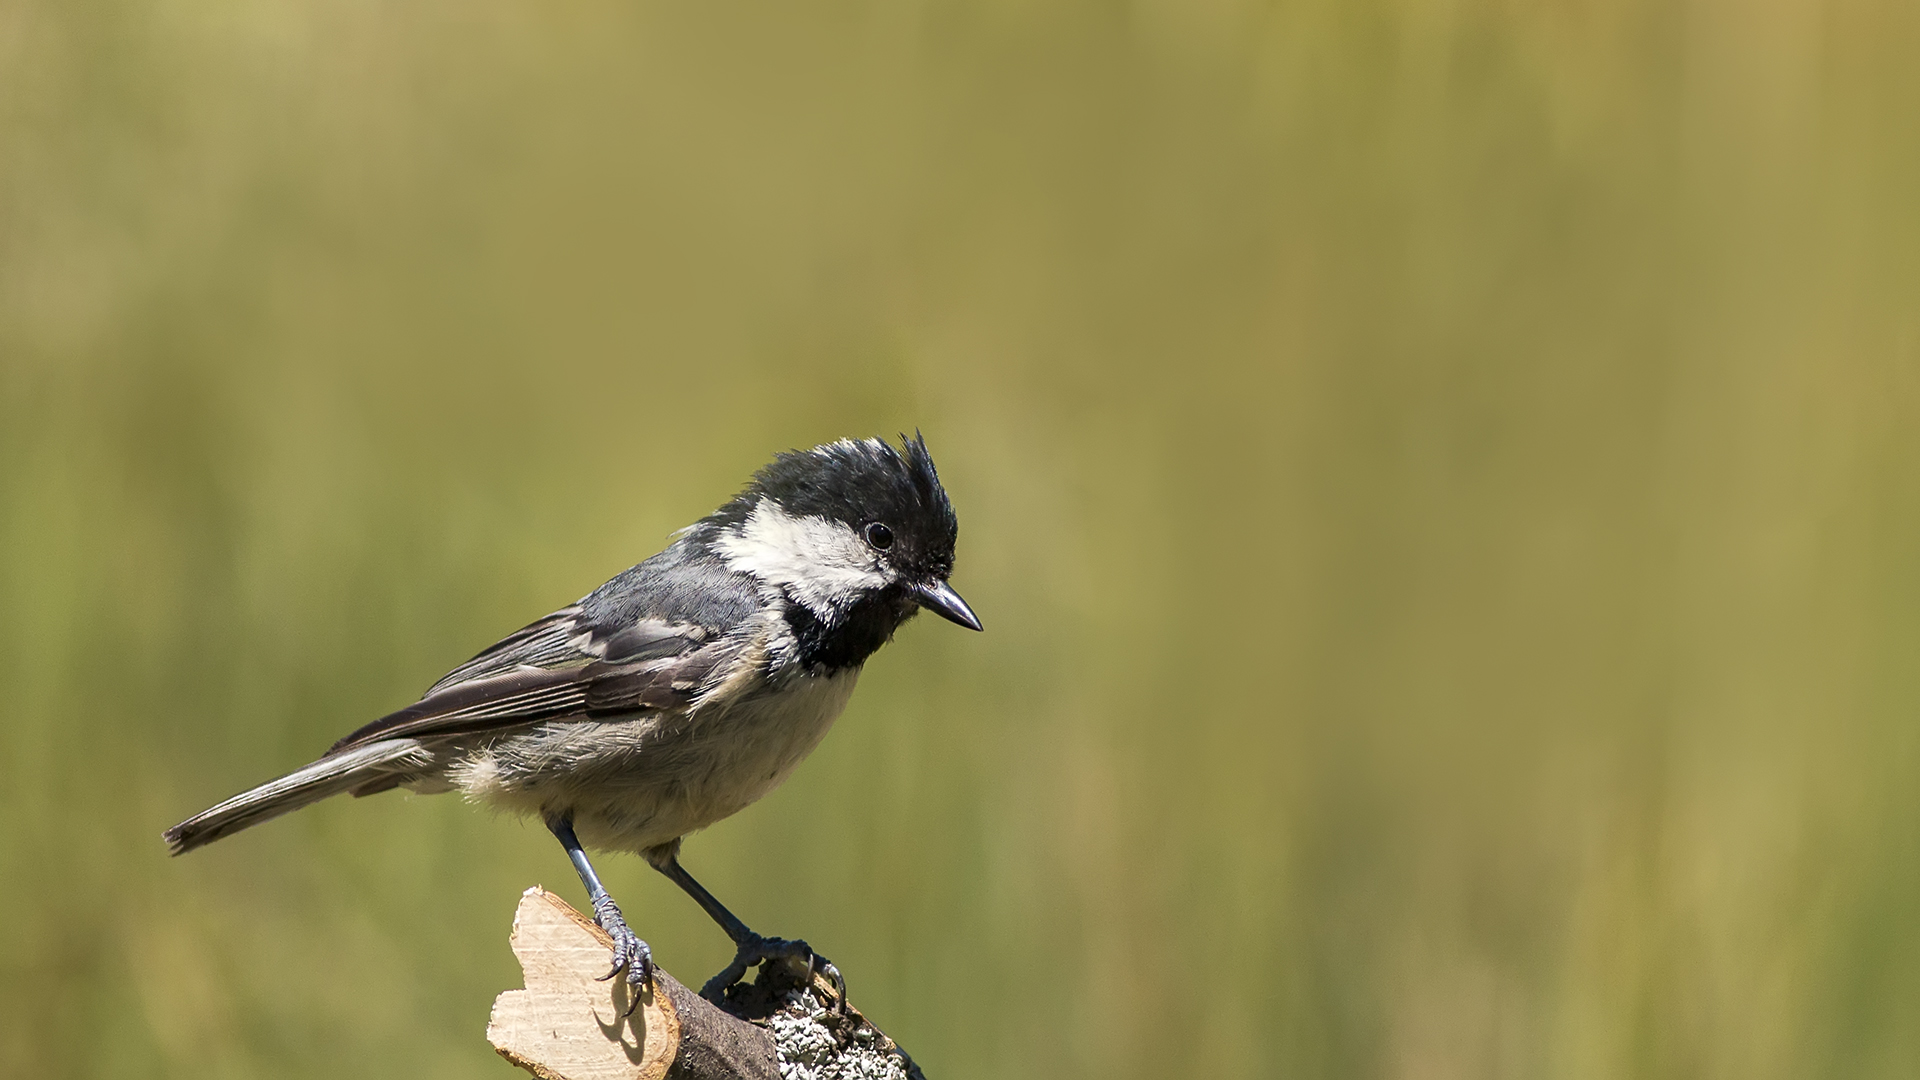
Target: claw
757	950
630	954
825	967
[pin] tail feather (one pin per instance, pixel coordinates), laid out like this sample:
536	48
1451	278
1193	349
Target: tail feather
330	775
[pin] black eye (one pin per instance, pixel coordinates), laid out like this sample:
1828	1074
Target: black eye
879	536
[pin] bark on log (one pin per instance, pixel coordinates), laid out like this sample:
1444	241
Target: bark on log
789	1022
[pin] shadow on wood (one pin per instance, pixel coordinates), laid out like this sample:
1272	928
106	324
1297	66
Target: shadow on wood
567	1025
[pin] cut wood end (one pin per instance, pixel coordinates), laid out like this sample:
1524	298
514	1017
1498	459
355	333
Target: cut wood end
566	1025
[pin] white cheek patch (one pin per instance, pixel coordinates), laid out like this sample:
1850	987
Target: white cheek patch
823	564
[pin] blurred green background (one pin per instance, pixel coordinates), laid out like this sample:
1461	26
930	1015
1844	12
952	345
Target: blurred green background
1439	477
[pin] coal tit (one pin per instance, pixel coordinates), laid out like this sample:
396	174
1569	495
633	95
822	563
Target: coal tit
678	692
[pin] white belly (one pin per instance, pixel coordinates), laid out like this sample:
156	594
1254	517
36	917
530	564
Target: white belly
635	784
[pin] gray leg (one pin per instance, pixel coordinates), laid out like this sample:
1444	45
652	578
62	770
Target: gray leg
749	948
629	952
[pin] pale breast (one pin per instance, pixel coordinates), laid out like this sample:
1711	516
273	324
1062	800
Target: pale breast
635	784
769	733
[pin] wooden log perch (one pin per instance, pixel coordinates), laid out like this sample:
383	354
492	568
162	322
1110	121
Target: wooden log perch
790	1022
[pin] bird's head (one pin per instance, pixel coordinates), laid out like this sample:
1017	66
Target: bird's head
854	529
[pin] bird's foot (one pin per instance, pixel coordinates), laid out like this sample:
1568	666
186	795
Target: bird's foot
797	961
630	954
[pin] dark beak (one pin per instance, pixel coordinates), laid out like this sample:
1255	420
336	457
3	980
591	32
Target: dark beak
939	598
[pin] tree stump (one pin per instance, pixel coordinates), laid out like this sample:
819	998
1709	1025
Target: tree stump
790	1022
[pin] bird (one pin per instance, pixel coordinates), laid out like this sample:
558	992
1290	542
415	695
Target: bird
675	694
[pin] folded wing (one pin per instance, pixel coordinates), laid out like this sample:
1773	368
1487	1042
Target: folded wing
561	666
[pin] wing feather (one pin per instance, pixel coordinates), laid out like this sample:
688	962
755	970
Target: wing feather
532	677
543	643
649	639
